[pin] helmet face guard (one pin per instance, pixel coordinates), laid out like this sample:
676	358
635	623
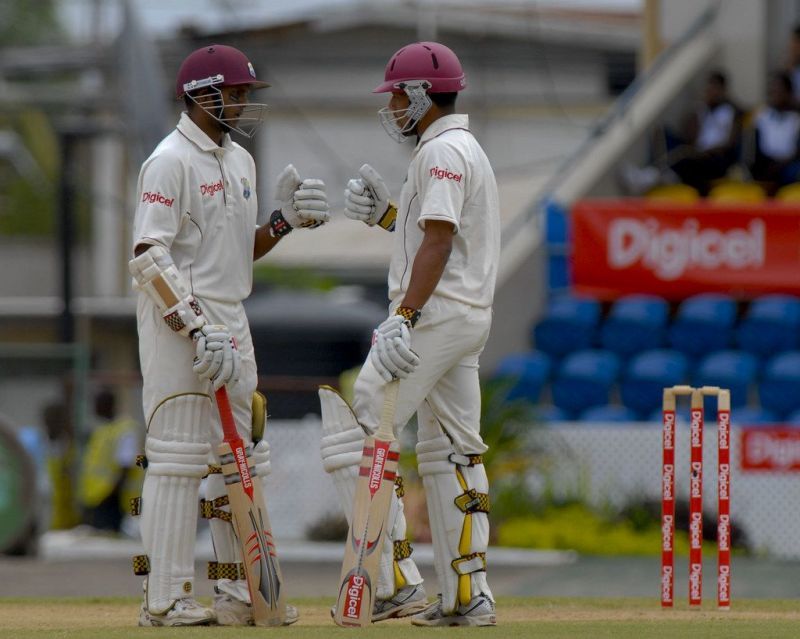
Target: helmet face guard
400	123
246	123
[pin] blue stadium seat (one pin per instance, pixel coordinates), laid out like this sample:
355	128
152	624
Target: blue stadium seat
635	323
779	389
549	414
734	370
752	416
585	379
526	374
770	325
703	323
569	324
646	376
793	419
608	414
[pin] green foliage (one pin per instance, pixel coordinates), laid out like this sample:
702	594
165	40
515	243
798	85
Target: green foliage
28	23
292	278
27	209
576	527
505	428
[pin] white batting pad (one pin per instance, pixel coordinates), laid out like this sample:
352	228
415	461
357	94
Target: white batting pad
447	521
169	497
341	447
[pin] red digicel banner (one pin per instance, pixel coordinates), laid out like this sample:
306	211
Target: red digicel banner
675	250
774	448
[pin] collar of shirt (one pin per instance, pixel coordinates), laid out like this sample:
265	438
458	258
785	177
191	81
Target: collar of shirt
446	122
196	135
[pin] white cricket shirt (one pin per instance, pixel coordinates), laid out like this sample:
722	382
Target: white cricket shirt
198	200
450	179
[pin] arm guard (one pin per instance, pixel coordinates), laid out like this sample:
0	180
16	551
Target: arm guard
157	275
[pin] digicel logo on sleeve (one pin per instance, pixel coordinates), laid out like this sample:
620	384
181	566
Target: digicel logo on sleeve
445	174
157	198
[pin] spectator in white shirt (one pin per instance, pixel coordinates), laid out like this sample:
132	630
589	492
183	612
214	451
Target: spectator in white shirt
777	132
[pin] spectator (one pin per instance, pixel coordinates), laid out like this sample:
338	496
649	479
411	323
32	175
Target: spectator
60	462
706	149
777	136
109	476
793	66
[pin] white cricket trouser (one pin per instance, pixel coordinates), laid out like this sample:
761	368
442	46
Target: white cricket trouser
166	360
449	339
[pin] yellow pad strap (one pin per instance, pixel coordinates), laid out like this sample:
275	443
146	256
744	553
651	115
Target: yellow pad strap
136	506
217	570
141	565
209	509
399	486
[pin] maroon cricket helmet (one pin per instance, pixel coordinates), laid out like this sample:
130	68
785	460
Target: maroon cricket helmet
216	65
429	61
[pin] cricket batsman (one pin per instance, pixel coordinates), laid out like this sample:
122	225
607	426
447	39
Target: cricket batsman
442	276
194	242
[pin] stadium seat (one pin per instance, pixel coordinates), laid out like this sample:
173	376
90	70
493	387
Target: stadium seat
678	193
753	416
608	414
789	193
779	389
734	370
569	324
647	375
735	192
703	323
635	323
585	379
549	414
526	374
770	325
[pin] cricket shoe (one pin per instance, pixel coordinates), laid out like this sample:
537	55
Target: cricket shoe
405	602
184	612
478	612
232	612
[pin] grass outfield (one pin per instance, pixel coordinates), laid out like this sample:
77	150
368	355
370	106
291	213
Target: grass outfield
517	617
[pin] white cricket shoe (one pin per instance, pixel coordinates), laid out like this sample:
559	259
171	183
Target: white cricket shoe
233	612
184	612
478	612
406	601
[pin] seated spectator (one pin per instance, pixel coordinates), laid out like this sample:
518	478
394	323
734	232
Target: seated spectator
793	64
777	137
706	149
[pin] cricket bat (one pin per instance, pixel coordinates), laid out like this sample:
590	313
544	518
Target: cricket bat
367	533
251	524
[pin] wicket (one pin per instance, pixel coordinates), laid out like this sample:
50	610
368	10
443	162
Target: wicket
696	495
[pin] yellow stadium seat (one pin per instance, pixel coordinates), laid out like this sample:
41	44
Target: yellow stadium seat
733	192
682	193
789	193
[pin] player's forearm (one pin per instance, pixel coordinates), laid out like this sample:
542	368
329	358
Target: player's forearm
264	243
427	270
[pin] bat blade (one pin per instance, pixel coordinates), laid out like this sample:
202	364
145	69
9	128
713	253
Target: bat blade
251	524
365	539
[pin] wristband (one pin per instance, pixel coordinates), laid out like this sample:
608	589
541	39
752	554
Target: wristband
388	219
278	226
411	315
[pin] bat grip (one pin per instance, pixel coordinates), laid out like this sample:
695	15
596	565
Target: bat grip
226	415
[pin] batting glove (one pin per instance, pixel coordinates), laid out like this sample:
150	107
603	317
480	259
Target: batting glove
303	203
367	199
216	356
391	353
